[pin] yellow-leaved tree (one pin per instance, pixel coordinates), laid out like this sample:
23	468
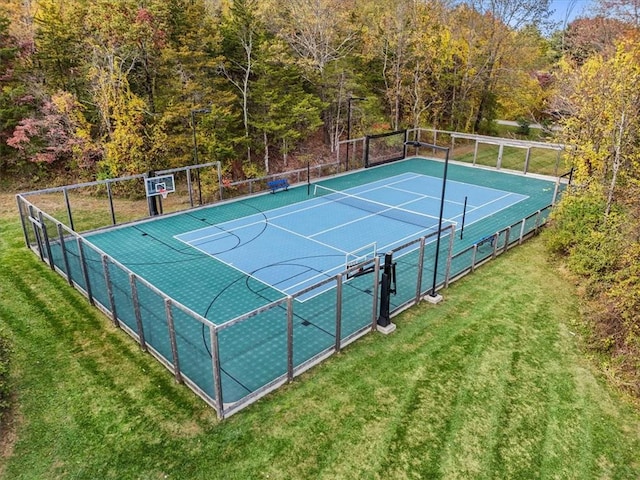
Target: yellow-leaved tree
603	124
597	224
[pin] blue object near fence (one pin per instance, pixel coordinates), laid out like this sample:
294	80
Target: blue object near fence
488	239
280	183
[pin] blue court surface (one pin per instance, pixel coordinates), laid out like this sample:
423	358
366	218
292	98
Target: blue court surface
296	246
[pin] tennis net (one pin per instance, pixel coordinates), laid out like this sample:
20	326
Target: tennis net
426	222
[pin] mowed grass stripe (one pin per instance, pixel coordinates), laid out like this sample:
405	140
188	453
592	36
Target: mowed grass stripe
74	374
489	384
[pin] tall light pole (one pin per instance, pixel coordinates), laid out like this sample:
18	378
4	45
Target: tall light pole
349	100
195	147
434	297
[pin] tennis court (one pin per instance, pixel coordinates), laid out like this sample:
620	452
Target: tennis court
239	297
293	247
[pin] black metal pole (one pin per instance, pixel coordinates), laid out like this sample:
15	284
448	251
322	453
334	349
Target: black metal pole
346	163
444	187
385	291
308	179
418	144
464	215
349	100
195	154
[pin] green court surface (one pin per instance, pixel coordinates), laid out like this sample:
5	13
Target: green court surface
220	293
253	348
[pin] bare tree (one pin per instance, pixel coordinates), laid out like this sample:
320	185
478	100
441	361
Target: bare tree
496	20
626	10
320	33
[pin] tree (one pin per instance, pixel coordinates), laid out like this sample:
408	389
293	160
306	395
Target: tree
187	77
59	135
284	112
321	33
526	85
603	123
59	45
242	34
586	37
491	25
626	10
15	101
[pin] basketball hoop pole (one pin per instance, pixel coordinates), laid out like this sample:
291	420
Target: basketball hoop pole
151	200
387	287
434	296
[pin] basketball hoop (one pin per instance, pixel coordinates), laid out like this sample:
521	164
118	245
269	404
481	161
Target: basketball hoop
163	192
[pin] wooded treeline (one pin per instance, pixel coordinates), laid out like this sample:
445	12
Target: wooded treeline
111	87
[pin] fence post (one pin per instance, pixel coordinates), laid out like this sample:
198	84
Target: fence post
376	286
189	187
289	338
68	205
496	237
219	168
215	362
111	208
526	160
35	224
45	239
25	232
555	192
420	270
473	257
85	271
65	257
449	256
338	311
112	300
506	238
172	340
136	310
475	153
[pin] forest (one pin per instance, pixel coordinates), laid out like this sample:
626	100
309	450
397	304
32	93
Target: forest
114	87
104	88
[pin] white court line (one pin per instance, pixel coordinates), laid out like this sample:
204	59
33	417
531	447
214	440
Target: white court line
324	275
423	196
379	185
261	216
495	211
243	272
376	215
344	252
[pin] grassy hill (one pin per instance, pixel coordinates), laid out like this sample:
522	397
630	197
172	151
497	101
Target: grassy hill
491	383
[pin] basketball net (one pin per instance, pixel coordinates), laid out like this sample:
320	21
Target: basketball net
163	192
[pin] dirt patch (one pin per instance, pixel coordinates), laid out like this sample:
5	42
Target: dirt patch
8	433
8	207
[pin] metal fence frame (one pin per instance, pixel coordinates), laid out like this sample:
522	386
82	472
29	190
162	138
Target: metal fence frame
45	236
478	140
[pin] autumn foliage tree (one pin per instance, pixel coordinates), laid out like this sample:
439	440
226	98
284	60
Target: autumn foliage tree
277	72
15	101
58	134
596	224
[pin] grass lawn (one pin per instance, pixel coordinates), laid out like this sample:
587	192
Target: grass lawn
491	383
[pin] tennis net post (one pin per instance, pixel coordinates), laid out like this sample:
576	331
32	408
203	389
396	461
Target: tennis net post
387	287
